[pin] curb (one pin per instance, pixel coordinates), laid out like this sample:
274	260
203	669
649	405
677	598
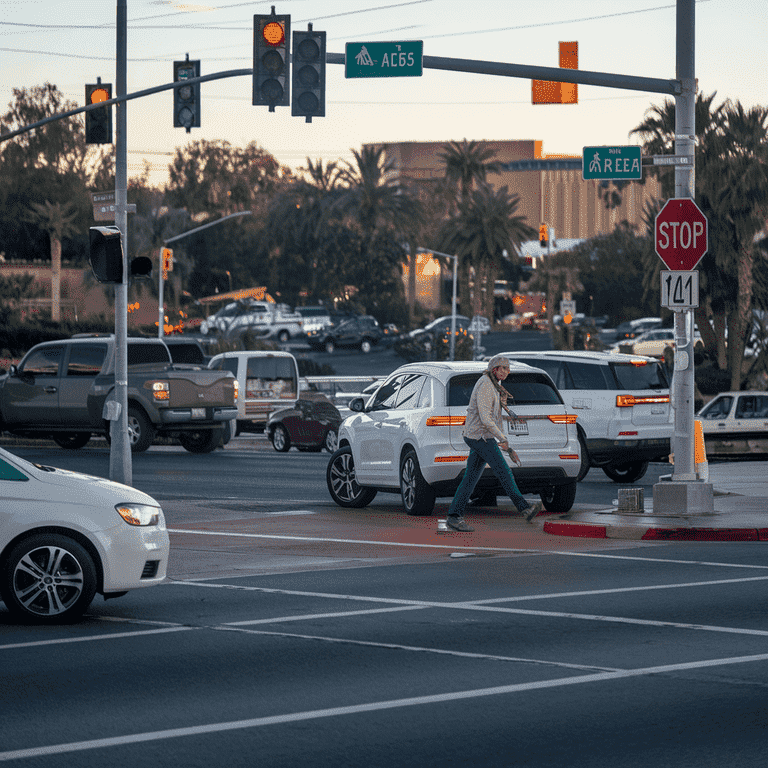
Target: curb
653	533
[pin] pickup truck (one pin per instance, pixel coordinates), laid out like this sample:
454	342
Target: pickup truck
263	319
59	391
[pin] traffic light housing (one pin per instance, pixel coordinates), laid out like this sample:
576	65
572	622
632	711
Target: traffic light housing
106	254
98	122
271	84
543	236
166	257
308	74
186	98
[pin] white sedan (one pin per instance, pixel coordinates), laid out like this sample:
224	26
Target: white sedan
65	536
736	423
653	343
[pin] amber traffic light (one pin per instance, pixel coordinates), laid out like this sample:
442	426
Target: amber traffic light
271	81
98	122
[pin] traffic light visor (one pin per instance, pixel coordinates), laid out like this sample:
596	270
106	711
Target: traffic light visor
273	33
99	95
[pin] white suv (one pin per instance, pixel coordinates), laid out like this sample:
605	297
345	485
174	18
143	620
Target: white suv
407	439
622	401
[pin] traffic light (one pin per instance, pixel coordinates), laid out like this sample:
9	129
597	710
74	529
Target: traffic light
308	74
186	98
106	257
543	237
166	257
106	254
98	122
271	85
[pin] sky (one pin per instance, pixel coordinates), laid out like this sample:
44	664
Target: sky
70	43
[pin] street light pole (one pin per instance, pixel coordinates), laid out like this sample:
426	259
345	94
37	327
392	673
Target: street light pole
453	297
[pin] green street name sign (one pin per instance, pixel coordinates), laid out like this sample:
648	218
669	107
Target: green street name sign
612	163
401	59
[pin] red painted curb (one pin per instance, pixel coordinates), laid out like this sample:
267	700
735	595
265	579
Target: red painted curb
575	529
701	534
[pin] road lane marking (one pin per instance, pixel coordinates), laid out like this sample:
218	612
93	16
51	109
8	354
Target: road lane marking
88	638
375	706
454	546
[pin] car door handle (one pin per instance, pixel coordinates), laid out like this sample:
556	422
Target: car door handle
50	390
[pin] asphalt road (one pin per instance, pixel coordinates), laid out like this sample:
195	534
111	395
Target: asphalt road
292	632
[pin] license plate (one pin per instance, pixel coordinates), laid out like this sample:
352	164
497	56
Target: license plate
516	427
198	413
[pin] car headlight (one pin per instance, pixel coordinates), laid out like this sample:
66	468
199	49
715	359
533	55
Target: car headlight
138	514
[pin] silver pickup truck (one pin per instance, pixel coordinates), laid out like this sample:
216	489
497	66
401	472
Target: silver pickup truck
59	389
263	319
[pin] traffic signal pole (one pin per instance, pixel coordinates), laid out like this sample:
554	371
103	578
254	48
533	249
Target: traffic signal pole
120	460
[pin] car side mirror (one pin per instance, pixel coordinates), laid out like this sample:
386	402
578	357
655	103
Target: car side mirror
357	404
13	370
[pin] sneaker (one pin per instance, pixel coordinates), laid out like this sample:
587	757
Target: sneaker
533	510
458	524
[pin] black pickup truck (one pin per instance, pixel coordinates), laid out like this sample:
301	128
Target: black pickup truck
59	390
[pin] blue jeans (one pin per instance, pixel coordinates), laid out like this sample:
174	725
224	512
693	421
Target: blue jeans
482	452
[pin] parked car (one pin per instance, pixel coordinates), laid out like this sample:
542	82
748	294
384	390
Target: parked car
479	324
653	343
439	330
362	331
315	317
622	401
66	536
186	351
735	423
407	439
631	329
311	424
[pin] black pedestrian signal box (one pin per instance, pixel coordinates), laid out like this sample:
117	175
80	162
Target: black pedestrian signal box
106	254
98	122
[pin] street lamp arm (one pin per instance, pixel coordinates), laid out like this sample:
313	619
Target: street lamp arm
205	226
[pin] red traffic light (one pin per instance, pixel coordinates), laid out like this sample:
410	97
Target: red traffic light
99	95
273	33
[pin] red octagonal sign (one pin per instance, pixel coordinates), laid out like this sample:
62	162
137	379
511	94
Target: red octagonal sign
680	234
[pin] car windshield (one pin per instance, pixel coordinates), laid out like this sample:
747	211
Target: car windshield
525	388
640	375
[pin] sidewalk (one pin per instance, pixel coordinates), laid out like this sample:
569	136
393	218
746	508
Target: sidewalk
741	513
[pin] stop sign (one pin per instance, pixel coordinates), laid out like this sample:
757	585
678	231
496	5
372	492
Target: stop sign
680	234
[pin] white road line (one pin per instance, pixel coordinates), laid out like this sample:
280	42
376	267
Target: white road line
419	649
454	546
88	638
313	616
376	706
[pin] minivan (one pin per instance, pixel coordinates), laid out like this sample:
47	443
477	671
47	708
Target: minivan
267	381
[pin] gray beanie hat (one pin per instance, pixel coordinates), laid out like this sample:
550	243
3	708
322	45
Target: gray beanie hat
497	360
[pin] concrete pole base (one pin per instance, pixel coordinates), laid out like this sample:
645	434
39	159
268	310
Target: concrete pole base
674	498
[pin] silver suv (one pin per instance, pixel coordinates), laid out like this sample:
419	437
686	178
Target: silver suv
407	438
622	401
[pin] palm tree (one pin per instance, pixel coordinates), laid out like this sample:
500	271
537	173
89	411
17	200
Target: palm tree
731	190
468	163
58	221
486	225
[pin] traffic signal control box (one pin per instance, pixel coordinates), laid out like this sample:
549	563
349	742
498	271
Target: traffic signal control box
308	74
271	83
186	98
98	122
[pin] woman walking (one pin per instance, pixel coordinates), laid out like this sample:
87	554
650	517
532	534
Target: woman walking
486	440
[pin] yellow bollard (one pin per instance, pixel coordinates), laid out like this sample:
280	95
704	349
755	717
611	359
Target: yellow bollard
700	453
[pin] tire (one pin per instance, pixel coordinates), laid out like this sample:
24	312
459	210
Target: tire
48	578
365	346
281	440
585	464
342	483
559	498
72	440
626	473
283	337
141	431
418	496
330	347
202	441
228	432
331	441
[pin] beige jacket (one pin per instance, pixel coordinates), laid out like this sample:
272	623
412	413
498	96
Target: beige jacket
484	412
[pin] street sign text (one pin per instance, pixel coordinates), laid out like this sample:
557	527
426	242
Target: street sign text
679	290
612	163
398	59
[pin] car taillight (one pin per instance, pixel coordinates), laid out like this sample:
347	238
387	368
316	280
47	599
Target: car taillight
446	421
627	401
563	418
